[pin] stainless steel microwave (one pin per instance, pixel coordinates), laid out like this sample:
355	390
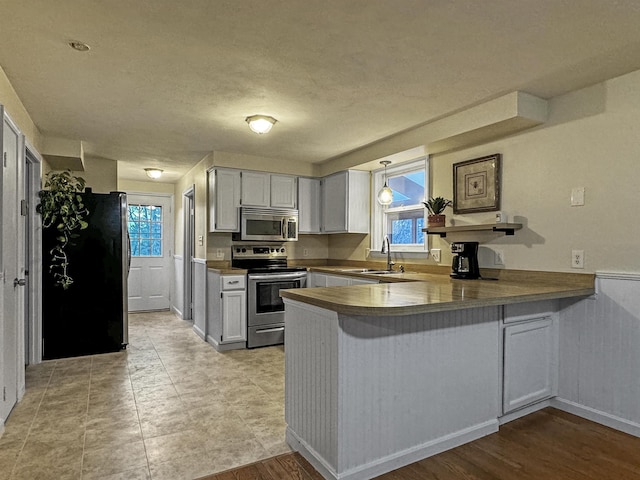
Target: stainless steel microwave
268	224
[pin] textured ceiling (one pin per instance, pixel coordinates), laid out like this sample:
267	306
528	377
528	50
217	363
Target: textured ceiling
166	82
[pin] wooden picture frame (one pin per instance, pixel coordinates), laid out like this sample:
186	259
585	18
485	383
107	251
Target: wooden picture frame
476	185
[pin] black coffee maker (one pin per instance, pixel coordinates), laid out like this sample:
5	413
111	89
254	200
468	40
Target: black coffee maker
465	260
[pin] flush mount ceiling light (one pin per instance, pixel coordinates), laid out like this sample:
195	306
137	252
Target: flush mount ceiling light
260	123
80	46
385	195
154	173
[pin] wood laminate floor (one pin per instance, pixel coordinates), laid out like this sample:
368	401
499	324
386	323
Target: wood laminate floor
546	445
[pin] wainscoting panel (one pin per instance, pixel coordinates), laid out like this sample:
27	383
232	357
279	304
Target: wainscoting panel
177	287
600	353
199	311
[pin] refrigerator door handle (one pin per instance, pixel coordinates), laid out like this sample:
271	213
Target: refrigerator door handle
128	252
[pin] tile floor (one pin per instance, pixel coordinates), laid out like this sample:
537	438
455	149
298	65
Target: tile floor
169	407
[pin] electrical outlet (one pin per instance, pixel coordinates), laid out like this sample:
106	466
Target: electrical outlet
498	257
435	253
577	258
305	252
220	253
200	240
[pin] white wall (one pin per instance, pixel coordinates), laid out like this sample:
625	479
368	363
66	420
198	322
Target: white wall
590	141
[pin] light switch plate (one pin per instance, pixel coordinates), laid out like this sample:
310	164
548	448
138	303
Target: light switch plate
577	196
435	254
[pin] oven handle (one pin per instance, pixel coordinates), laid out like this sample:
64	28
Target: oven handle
277	276
270	330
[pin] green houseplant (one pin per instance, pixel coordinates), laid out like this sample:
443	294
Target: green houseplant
62	209
435	206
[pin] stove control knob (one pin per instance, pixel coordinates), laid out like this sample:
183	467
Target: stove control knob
273	250
282	250
237	250
244	250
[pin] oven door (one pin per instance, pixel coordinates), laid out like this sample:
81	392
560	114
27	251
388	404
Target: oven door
265	307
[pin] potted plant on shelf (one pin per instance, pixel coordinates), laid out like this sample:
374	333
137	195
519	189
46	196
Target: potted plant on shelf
63	211
435	206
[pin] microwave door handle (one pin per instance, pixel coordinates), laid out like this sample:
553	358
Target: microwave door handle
284	228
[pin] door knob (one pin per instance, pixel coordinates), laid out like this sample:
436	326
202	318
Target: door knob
22	282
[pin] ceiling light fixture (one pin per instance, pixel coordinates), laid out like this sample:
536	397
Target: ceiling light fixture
260	123
154	173
385	195
80	46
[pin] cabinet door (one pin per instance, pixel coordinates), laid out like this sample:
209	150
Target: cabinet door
284	191
234	316
362	281
334	203
308	205
338	281
224	200
256	189
530	363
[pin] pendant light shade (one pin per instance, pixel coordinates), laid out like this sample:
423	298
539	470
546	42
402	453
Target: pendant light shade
385	195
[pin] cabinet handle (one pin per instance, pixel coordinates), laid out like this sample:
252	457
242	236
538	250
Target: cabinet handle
233	282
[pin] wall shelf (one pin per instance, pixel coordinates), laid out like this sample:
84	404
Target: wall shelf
506	228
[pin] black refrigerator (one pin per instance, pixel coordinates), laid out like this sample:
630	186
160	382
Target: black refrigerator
91	315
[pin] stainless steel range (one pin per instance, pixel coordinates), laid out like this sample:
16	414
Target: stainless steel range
268	273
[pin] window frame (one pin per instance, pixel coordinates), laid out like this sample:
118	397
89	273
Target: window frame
150	236
379	212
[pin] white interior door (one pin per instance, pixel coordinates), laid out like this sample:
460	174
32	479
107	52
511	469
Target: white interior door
151	232
12	268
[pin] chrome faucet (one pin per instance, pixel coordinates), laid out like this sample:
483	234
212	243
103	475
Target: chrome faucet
386	248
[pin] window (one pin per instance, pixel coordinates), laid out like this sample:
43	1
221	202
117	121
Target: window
404	219
145	230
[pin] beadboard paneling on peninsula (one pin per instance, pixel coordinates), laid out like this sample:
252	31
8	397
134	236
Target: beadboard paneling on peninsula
599	374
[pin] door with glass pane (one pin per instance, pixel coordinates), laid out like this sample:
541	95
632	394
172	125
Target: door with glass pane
150	225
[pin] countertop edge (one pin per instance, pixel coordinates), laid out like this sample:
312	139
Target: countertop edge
363	310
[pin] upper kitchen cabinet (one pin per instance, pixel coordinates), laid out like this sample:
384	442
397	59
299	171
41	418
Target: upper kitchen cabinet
261	189
309	198
284	191
256	189
346	202
224	200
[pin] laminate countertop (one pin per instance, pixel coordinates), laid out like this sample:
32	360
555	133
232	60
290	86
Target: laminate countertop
414	293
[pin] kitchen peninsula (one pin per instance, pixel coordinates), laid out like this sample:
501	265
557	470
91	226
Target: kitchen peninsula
379	376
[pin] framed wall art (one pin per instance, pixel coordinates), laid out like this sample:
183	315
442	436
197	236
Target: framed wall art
476	185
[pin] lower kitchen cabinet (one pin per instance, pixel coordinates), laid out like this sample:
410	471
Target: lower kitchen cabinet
326	280
227	311
530	362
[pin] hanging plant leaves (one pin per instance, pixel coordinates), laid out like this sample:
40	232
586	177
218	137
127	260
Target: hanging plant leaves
62	206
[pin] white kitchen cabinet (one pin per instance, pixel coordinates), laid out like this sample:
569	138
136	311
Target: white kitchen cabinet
227	311
530	362
262	189
224	200
327	280
346	202
309	203
256	189
284	191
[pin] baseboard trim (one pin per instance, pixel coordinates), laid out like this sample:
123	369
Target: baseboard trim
176	311
396	460
199	331
509	417
597	416
225	347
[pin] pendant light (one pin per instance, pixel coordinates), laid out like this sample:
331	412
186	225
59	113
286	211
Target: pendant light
385	195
